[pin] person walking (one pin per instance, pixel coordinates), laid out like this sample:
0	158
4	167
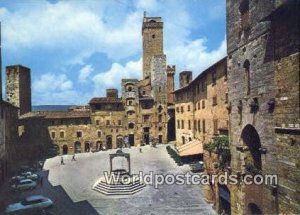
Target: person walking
73	158
62	161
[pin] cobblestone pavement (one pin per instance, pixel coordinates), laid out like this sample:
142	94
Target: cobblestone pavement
78	177
70	186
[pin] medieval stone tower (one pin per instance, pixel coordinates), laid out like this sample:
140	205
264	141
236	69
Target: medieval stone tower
185	77
152	32
170	83
18	87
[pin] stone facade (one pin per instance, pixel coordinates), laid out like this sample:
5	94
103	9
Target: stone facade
18	91
144	114
263	78
201	105
202	113
152	33
8	138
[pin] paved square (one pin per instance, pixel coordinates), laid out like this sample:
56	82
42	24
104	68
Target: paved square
78	177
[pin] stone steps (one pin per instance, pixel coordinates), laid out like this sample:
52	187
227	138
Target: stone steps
118	189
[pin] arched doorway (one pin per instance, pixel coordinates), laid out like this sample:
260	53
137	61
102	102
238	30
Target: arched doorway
146	135
254	209
171	129
109	142
224	199
251	139
86	146
131	139
99	146
77	147
119	141
65	149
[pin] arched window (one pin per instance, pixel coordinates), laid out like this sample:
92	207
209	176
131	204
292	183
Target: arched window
246	67
131	125
159	109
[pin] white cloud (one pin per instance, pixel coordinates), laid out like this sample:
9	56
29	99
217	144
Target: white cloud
77	30
70	26
195	56
51	83
113	77
84	73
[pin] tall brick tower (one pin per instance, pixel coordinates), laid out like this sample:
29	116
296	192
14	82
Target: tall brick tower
18	87
152	32
170	83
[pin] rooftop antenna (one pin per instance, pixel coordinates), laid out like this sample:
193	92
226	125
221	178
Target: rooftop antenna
1	98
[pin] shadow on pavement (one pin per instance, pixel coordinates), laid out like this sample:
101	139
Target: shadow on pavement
63	204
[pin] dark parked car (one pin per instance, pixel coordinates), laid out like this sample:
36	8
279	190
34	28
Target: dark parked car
197	167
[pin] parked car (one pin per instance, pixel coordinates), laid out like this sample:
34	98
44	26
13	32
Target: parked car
30	175
35	201
24	175
24	184
197	166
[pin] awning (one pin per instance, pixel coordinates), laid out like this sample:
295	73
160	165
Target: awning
194	147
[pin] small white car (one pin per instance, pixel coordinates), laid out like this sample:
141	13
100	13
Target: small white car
35	201
24	184
30	175
25	175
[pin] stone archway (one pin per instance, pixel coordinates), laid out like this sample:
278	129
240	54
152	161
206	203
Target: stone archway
77	147
99	146
251	139
119	141
120	154
87	147
253	209
65	149
109	142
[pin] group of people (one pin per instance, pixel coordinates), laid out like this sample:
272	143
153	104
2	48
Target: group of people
62	160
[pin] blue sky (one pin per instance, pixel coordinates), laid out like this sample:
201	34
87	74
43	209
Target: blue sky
76	49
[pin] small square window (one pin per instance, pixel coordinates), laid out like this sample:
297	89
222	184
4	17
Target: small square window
79	134
62	134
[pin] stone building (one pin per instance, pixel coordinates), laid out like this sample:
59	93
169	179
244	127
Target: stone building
18	91
8	131
144	113
201	105
263	80
8	138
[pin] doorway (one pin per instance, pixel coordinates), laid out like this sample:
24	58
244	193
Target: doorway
224	199
86	146
160	137
65	149
131	139
109	142
77	147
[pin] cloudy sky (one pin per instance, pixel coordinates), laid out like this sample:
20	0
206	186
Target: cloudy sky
76	49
